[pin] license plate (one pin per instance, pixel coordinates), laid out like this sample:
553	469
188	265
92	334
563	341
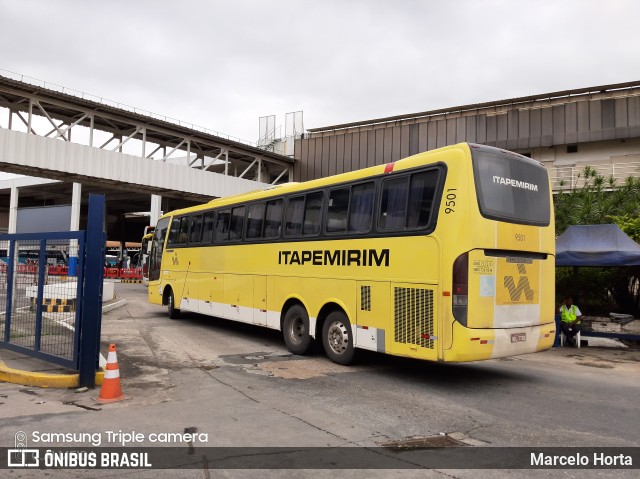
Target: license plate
518	337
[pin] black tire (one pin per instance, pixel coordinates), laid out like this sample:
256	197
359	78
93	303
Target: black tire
295	329
174	313
337	338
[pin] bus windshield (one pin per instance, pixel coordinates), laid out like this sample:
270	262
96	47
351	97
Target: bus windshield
511	187
157	247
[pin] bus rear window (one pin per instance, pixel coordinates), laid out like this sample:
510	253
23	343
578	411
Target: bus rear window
511	187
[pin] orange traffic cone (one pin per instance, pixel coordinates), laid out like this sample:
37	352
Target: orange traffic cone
111	390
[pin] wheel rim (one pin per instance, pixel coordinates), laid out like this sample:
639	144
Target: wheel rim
338	337
297	330
170	302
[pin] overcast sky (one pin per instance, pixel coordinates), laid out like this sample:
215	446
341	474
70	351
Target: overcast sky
222	65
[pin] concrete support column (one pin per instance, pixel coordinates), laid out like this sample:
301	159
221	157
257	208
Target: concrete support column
74	226
76	197
13	210
156	212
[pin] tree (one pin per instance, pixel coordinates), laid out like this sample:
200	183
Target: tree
599	200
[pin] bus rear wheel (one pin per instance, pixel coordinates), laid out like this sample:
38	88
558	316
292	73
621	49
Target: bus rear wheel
337	338
174	313
295	329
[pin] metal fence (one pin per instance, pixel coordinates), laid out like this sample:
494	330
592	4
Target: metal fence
570	177
39	312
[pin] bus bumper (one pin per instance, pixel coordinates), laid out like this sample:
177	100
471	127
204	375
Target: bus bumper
480	344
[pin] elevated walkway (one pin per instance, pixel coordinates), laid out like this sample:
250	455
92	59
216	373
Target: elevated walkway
119	146
40	156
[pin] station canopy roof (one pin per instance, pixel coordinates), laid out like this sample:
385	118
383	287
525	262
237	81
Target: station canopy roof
596	245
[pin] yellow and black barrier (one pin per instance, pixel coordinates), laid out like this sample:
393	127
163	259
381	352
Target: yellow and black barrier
56	305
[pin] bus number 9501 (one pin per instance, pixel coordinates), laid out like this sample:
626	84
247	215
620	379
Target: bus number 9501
450	202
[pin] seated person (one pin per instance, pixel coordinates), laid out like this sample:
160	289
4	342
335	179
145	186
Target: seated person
570	317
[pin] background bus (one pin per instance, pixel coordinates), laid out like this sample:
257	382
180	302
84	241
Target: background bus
55	255
446	255
145	249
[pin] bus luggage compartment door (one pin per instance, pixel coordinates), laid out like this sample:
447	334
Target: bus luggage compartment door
415	320
260	300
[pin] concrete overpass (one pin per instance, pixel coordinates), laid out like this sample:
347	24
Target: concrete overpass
119	150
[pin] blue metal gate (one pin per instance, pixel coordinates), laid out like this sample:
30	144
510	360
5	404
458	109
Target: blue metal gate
42	311
53	316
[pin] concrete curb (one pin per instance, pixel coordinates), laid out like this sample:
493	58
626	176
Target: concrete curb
51	380
110	307
43	380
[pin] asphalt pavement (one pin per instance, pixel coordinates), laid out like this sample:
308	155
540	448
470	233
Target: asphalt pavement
239	386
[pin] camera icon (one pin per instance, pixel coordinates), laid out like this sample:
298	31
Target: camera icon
20	456
21	439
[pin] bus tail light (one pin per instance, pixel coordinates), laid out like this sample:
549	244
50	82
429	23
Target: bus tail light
460	293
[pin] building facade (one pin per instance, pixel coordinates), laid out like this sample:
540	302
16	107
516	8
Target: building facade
566	131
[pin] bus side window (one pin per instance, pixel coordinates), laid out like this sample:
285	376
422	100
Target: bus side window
207	227
421	196
273	219
255	220
312	214
237	220
222	226
195	230
337	210
173	232
361	207
184	230
295	214
393	208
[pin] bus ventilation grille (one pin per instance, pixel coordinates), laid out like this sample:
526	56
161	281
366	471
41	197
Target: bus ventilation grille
365	298
413	316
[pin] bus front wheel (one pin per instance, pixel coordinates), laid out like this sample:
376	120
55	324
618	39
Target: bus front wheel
174	313
295	329
337	338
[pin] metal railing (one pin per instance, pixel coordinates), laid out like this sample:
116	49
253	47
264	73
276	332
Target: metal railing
123	106
569	177
270	138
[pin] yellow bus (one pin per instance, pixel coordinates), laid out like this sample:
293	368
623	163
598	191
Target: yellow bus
447	255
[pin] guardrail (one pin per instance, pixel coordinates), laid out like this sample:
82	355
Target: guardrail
111	273
122	106
123	273
570	177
